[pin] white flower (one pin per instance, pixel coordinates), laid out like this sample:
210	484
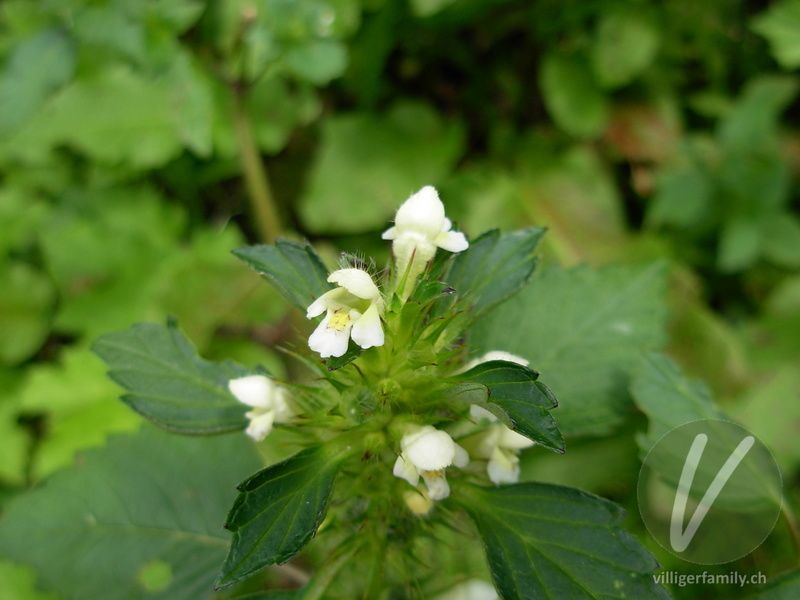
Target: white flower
419	228
427	452
474	589
268	401
354	310
500	446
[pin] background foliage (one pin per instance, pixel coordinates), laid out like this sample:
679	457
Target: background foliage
140	141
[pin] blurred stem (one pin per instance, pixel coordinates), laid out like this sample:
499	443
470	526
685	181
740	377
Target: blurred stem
323	578
262	203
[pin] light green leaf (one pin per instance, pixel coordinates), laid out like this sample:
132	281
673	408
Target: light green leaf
668	398
574	101
278	511
78	406
582	329
368	164
625	45
317	61
26	304
295	270
540	540
781	26
494	267
101	529
19	583
520	401
786	587
780	241
168	383
739	242
85	116
36	68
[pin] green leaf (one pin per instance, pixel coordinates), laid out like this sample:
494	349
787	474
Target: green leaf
317	61
549	541
169	383
494	267
785	587
583	329
36	68
668	398
625	45
278	511
25	311
356	182
519	400
781	26
780	240
574	101
106	528
19	583
294	269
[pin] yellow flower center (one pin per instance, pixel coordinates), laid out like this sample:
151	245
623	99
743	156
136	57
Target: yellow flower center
339	319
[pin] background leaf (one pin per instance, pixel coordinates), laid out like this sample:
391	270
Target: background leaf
539	538
582	329
146	499
169	383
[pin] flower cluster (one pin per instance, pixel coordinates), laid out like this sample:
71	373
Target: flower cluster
357	317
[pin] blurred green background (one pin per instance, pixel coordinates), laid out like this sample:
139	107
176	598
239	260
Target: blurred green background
141	140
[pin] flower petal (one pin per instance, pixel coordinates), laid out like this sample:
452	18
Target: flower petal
404	469
511	439
367	329
430	449
253	390
452	241
389	234
260	424
438	488
461	459
503	468
357	282
329	341
422	212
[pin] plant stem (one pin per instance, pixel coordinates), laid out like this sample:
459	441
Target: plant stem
259	193
322	578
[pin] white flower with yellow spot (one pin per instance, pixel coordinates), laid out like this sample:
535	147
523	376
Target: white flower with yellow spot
420	227
473	589
354	311
268	401
426	452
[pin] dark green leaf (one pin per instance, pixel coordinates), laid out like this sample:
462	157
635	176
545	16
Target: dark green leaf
549	541
169	383
495	266
583	329
468	392
294	269
278	511
140	518
519	400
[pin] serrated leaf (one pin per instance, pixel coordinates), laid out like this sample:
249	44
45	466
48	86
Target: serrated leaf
583	329
294	269
145	499
278	511
523	402
169	383
494	267
550	541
